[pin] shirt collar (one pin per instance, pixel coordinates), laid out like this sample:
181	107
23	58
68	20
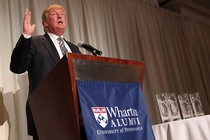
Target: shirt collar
53	36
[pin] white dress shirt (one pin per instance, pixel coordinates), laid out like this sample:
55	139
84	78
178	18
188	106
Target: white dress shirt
56	43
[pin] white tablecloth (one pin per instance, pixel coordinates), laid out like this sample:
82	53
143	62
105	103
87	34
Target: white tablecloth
197	128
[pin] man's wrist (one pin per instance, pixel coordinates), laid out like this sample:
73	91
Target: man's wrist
26	36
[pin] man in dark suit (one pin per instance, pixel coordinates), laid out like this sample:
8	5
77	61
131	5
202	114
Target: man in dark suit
39	54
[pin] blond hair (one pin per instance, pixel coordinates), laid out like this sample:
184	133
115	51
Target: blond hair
48	9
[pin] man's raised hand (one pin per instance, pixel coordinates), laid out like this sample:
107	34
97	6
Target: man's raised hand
28	28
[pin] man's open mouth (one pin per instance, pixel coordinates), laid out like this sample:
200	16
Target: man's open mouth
60	22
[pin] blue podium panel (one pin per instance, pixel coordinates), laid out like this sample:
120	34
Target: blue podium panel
113	111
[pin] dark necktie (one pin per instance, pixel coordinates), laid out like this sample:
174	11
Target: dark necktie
62	46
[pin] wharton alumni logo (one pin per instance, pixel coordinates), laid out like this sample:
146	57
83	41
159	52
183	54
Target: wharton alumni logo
118	118
100	115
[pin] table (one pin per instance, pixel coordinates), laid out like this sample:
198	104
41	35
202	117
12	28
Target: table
197	128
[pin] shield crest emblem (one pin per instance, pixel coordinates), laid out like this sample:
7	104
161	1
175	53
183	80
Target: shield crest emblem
100	115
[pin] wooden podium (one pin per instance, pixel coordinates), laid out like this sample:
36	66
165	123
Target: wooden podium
54	103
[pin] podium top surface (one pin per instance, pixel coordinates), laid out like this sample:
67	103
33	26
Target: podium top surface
87	67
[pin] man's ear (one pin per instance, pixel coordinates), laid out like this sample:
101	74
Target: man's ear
45	24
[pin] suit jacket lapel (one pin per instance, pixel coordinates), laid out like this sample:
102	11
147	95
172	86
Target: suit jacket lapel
47	42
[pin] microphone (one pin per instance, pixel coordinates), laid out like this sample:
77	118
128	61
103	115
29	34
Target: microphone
89	48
